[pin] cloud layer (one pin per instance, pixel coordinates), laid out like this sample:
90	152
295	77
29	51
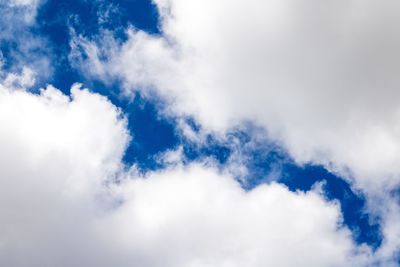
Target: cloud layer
60	206
320	77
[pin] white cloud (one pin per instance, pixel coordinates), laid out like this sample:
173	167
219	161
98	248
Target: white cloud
59	207
196	217
16	81
20	47
31	4
23	11
56	153
322	78
24	2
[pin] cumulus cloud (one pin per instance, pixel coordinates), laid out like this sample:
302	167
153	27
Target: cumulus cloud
196	217
67	200
56	152
321	77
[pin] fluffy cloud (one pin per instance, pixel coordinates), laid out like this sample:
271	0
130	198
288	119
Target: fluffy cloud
321	77
56	153
196	217
60	206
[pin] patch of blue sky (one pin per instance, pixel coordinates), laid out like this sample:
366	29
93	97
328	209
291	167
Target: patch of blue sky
152	133
56	20
88	17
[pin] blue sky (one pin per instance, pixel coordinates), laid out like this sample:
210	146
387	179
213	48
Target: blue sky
155	127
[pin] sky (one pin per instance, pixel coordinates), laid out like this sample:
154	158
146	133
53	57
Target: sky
199	133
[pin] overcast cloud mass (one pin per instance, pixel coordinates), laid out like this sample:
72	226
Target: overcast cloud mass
162	133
